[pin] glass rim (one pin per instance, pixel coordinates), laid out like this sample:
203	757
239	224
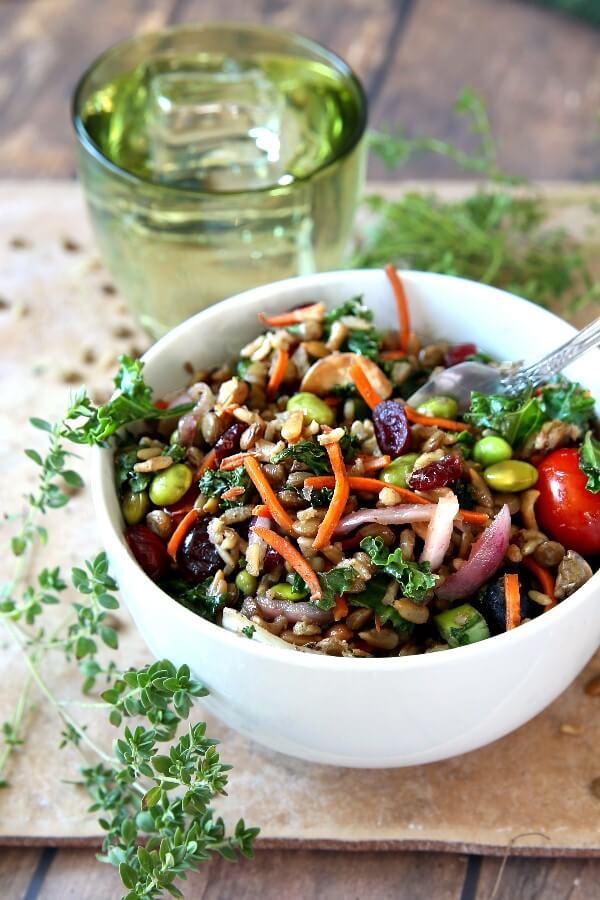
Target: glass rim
336	62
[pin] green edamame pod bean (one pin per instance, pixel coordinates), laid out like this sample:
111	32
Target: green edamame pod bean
285	591
246	583
511	475
439	408
490	450
169	485
398	471
134	507
312	407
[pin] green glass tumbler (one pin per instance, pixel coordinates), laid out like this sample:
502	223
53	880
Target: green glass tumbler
217	158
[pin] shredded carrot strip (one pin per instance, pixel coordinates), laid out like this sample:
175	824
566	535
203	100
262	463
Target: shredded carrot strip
236	491
269	498
341	609
364	386
261	511
209	462
313	311
235	461
512	598
374	463
543	576
391	355
341	492
401	304
293	557
448	424
279	367
373	486
181	531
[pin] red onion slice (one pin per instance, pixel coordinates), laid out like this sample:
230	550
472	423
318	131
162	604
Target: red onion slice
487	554
301	611
389	515
439	532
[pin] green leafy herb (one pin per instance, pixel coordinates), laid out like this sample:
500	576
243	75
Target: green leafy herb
589	462
372	598
514	418
127	478
495	235
196	597
333	584
249	630
415	579
314	456
215	482
320	497
353	307
132	403
569	402
364	341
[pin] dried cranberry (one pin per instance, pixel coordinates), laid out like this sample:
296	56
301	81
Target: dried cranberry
229	442
391	427
197	557
437	474
148	549
272	560
458	354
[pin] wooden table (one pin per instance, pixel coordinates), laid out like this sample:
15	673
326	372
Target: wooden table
540	73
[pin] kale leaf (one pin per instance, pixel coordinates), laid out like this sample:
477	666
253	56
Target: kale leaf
195	597
372	598
314	455
215	482
514	418
415	579
132	403
353	307
569	402
589	462
333	584
320	497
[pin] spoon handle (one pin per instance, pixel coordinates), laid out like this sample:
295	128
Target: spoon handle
555	361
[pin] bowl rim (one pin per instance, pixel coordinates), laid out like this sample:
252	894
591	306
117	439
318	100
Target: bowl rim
117	547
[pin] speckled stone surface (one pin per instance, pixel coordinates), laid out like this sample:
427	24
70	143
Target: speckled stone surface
61	324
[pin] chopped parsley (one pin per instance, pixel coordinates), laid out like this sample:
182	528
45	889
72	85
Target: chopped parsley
248	631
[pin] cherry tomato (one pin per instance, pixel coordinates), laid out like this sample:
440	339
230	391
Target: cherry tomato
565	510
148	549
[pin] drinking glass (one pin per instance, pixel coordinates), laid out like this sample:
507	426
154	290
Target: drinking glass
217	158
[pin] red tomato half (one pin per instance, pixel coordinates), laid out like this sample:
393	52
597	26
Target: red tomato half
565	510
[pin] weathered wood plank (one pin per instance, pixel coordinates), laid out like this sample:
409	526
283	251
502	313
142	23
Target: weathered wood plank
529	879
297	875
47	44
538	70
17	868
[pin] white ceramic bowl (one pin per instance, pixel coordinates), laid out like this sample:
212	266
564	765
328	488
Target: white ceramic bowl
362	712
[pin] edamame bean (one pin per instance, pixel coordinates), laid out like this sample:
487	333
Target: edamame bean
510	476
312	407
246	583
134	507
490	450
398	471
439	408
285	591
170	485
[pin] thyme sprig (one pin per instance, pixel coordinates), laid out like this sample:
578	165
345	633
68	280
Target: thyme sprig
152	791
499	234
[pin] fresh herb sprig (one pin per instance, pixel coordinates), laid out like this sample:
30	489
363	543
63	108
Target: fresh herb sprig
498	234
152	793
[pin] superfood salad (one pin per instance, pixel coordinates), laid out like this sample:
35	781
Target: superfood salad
296	498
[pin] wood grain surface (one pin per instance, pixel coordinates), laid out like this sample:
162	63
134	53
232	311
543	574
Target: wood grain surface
540	73
539	70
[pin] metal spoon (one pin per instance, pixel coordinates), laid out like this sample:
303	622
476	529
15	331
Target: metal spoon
458	381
